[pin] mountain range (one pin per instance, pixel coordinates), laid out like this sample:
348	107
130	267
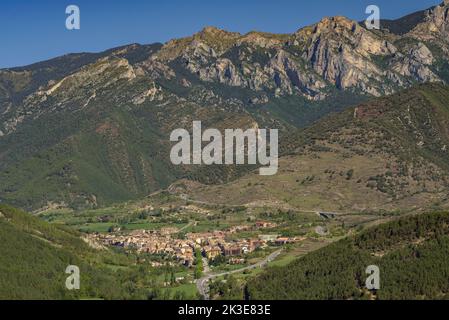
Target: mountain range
85	130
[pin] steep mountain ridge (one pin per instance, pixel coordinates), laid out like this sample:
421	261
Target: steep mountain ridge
435	24
90	129
334	53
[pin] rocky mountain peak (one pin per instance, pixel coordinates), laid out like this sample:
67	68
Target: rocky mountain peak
211	31
435	25
332	55
337	24
209	39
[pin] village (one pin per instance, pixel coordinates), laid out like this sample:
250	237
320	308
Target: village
211	244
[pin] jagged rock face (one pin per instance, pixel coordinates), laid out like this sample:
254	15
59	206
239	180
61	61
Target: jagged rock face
421	54
340	51
222	71
336	53
209	41
341	31
155	69
417	64
435	25
288	76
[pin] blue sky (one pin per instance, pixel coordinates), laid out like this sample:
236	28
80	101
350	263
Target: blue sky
32	31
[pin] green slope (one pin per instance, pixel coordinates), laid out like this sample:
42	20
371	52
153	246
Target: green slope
109	159
410	252
34	257
396	149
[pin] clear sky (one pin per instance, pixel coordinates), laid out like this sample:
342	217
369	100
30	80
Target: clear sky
34	30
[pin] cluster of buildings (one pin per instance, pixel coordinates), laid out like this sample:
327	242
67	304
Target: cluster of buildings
152	242
216	243
212	244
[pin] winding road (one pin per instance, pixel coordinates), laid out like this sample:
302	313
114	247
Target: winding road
203	283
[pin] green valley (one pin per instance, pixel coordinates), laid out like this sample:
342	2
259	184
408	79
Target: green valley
87	178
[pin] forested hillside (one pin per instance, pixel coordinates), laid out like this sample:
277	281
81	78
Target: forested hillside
34	257
389	153
411	253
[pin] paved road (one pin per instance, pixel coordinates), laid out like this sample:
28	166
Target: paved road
206	268
203	283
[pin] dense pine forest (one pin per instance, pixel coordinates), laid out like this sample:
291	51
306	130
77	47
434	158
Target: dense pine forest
411	253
